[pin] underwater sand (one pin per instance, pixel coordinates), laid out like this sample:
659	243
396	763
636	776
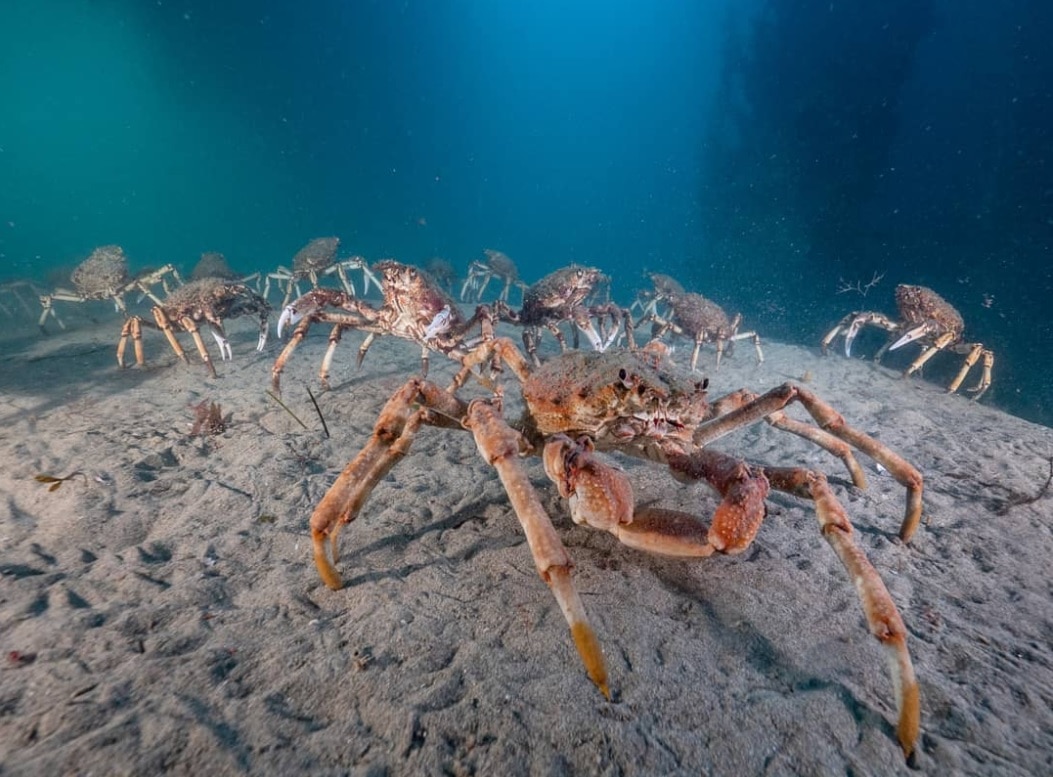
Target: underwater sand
166	613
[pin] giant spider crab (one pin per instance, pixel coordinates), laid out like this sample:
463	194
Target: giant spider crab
699	318
561	296
638	404
928	318
104	275
496	265
208	301
415	308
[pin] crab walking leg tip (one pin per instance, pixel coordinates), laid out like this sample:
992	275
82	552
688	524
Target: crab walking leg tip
562	586
326	570
908	697
589	650
913	514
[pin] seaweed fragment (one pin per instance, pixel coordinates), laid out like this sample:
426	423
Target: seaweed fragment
208	419
1018	499
285	407
325	426
56	482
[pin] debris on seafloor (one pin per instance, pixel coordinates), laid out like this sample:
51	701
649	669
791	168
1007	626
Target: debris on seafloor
56	482
1017	499
208	419
286	408
325	426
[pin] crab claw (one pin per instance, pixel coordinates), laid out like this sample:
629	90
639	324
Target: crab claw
439	325
223	343
850	335
911	335
289	316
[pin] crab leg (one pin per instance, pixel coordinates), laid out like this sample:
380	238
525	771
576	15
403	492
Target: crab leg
938	345
165	326
755	338
299	333
882	616
132	328
501	445
335	336
202	349
985	377
831	422
397	425
597	496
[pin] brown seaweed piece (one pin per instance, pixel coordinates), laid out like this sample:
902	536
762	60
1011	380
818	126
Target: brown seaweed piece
208	419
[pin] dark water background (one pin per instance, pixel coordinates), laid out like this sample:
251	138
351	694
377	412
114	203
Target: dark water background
767	153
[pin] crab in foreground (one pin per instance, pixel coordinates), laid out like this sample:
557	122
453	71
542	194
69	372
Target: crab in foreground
496	265
104	275
562	296
316	259
415	308
929	319
581	402
701	319
208	301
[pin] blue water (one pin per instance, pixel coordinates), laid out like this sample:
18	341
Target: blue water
767	153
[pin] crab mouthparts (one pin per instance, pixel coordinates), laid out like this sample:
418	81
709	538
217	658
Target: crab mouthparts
657	423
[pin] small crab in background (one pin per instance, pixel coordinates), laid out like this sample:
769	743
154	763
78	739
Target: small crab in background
700	319
561	296
213	264
416	308
316	259
442	271
104	275
208	301
929	319
496	265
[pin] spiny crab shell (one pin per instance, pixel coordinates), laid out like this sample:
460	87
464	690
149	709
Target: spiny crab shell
665	285
920	305
212	264
103	271
695	313
501	264
558	292
316	255
621	399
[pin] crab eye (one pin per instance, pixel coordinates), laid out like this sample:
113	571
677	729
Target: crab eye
703	384
625	378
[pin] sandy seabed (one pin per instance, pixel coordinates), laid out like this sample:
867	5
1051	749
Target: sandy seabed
163	613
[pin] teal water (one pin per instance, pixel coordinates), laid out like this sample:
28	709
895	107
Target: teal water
766	155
